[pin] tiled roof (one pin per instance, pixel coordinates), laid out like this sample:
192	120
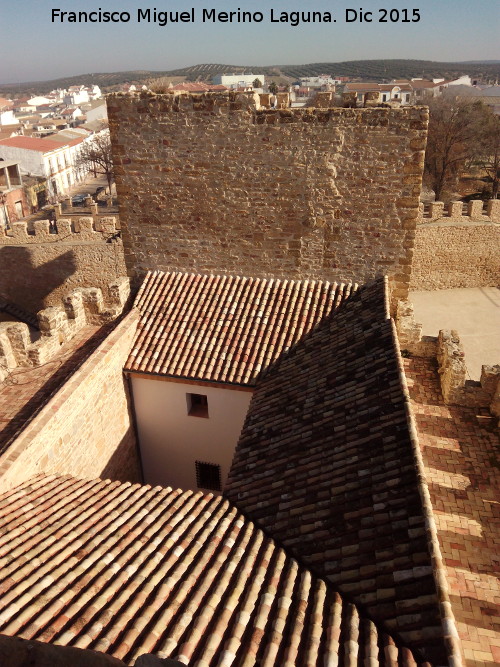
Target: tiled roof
224	328
199	87
362	87
325	463
29	143
129	569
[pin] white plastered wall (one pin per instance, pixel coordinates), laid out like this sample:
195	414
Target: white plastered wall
171	441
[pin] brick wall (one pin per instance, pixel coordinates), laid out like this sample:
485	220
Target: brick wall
211	183
36	270
451	255
85	429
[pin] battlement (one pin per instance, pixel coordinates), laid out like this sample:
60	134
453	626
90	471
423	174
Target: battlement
473	211
447	349
84	228
59	324
258	104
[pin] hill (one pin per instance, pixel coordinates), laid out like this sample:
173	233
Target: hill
376	70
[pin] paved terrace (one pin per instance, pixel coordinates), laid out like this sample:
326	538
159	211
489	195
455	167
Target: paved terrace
473	312
461	457
26	390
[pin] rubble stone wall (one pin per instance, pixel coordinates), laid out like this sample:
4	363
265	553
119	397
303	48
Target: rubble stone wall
456	255
85	429
38	269
211	183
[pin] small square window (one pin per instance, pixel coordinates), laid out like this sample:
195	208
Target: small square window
208	476
197	405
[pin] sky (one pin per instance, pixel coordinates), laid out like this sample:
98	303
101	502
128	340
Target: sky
33	48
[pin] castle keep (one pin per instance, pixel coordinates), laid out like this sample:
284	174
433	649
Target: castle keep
214	183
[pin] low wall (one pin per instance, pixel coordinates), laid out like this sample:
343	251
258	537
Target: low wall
86	428
449	254
38	269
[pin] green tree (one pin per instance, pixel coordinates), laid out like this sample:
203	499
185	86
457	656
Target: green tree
273	88
257	83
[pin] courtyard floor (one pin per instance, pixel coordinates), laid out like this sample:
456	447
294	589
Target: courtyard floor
461	453
473	312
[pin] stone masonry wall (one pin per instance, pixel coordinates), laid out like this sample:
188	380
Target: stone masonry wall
86	428
211	183
37	270
448	255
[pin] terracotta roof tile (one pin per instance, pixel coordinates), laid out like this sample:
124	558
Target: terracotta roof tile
224	328
39	145
325	463
129	569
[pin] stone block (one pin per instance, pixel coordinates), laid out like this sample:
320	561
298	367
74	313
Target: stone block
52	320
436	210
64	227
20	232
119	291
41	227
493	210
85	226
475	209
455	209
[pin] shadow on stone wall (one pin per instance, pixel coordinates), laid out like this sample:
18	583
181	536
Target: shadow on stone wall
28	285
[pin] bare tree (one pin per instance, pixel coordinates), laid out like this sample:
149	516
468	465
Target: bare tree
95	155
488	151
455	130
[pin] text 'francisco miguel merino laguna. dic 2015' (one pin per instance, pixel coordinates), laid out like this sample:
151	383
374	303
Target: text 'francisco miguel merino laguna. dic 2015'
163	18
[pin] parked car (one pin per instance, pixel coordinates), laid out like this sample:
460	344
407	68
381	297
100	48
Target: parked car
79	200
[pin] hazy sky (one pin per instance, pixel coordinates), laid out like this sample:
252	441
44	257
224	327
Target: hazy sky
32	47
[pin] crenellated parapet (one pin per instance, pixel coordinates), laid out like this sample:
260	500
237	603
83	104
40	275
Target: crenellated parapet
84	228
59	324
448	351
473	211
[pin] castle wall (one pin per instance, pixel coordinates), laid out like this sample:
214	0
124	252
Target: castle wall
211	183
458	254
86	428
38	269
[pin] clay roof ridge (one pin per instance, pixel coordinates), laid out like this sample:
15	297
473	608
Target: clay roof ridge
270	351
217	348
289	288
341	298
20	491
188	576
215	591
156	330
256	301
53	565
182	581
201	357
142	303
154	562
234	359
13	505
260	352
178	298
19	533
227	363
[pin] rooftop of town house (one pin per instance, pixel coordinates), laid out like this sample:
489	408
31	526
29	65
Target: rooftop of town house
224	328
326	464
40	145
129	569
